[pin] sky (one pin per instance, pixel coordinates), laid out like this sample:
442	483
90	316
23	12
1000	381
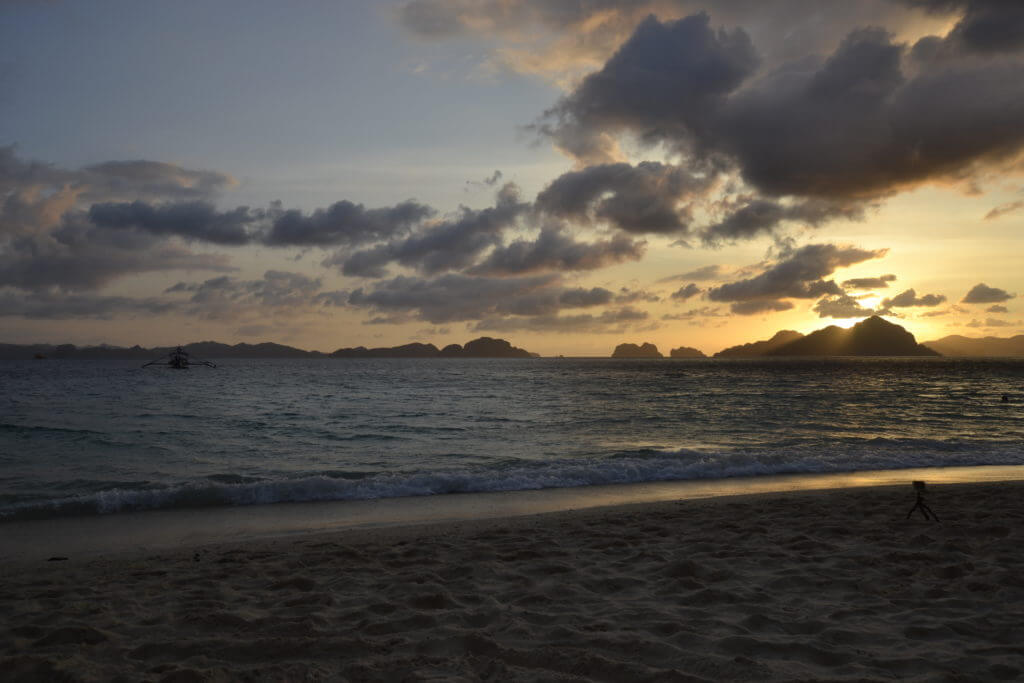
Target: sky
565	175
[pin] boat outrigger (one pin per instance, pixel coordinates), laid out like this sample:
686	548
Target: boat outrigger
178	360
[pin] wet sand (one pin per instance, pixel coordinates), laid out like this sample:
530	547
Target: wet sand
799	585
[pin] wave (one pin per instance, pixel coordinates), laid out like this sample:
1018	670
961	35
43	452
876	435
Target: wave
624	467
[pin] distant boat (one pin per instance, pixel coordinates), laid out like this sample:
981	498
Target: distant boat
39	356
178	360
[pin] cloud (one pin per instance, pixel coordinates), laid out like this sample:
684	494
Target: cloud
455	297
841	306
452	244
345	223
629	296
997	309
983	294
693	313
755	307
711	272
644	198
763	216
555	249
862	123
985	26
78	263
1004	209
880	282
665	83
798	275
684	293
909	298
585	298
608	322
198	221
562	39
277	292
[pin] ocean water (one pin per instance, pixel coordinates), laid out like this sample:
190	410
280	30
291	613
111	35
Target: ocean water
100	437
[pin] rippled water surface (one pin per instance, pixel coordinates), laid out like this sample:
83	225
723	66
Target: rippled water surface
80	437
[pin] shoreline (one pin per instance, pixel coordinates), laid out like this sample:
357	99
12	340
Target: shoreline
803	584
143	532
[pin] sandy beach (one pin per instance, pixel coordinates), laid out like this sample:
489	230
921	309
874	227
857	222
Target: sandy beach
822	585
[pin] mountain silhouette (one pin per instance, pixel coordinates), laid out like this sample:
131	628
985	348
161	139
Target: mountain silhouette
958	345
645	350
870	337
759	348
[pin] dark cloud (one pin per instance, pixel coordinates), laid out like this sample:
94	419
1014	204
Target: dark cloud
910	298
880	282
455	297
452	244
687	292
666	83
342	223
199	221
555	249
345	223
585	298
763	216
280	292
756	307
983	294
841	306
858	124
997	309
37	264
798	275
985	26
640	199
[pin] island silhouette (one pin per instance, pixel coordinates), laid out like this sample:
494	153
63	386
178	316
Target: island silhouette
872	336
484	347
645	350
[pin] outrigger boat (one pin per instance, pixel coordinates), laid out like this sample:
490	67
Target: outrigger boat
178	360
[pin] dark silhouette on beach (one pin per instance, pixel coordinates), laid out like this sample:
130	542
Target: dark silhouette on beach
921	505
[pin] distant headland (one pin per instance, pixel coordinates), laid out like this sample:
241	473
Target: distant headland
484	347
870	337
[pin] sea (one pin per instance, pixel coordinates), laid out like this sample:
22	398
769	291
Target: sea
86	438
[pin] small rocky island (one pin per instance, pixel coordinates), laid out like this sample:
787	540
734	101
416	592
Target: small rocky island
686	352
645	350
